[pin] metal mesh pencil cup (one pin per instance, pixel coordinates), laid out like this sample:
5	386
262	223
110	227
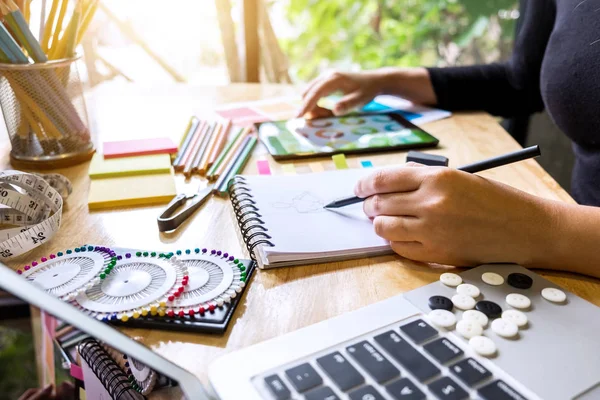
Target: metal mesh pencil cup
45	114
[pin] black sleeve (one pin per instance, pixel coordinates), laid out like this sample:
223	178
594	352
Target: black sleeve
505	89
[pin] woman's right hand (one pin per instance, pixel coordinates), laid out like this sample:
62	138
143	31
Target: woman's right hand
359	88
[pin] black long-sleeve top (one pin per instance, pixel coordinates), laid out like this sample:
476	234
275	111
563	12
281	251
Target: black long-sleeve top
555	65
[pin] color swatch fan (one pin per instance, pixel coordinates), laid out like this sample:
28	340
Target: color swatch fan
68	274
215	279
139	284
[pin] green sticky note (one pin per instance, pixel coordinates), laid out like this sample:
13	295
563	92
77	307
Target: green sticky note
340	161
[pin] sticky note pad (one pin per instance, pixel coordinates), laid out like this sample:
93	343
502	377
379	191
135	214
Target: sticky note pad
129	166
316	167
366	164
139	147
263	167
340	161
128	191
288	169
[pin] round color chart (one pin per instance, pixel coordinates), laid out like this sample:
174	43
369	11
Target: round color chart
328	134
364	130
319	123
352	121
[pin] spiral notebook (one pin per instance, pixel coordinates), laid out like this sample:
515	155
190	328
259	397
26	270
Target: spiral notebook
103	378
283	222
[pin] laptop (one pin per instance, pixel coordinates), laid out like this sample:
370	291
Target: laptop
396	349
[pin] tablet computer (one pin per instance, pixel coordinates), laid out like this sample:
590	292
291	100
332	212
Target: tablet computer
357	133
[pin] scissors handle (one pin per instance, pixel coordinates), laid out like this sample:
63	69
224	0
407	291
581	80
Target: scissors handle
168	222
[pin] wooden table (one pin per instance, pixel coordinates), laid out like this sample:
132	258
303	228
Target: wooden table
282	300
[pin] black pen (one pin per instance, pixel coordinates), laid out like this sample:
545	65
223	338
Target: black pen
524	154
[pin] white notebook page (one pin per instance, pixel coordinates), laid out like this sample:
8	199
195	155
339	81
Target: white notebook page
292	209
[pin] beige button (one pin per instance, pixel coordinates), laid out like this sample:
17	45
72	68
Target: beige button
483	345
463	302
504	328
468	329
517	300
450	279
468	289
492	278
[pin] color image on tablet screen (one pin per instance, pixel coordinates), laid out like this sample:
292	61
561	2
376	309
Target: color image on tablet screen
296	138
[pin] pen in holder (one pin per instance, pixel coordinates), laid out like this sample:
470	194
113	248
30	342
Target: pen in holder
45	114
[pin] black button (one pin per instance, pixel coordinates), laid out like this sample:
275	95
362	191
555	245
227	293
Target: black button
489	308
404	389
364	393
446	389
322	393
373	361
277	387
403	352
304	377
499	390
419	331
519	281
440	303
340	371
470	371
443	350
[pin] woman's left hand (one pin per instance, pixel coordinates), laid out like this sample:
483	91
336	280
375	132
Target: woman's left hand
446	216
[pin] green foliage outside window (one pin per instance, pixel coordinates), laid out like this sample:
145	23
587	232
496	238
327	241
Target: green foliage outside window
352	34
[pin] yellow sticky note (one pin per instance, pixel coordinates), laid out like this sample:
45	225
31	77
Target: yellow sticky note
316	167
340	161
288	169
131	191
129	166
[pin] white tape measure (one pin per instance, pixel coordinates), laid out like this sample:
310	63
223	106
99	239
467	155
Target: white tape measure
34	206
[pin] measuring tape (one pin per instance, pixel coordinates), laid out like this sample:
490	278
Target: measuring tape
34	204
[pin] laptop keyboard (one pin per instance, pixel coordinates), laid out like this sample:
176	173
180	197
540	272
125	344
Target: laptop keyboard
410	361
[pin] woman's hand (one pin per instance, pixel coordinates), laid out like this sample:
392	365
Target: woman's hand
359	88
446	216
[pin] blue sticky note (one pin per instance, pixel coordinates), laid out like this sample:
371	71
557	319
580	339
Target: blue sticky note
409	115
366	164
374	106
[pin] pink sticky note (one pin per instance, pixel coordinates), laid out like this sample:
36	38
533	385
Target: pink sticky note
263	167
139	147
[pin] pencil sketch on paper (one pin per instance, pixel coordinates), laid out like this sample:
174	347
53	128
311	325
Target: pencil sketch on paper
303	203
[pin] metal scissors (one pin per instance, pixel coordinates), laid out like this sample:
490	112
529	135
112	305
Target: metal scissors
167	221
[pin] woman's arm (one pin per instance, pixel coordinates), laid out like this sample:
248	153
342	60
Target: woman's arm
442	215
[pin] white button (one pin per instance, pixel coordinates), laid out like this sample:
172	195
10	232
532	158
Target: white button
468	289
463	302
504	328
476	316
483	345
450	279
442	318
468	329
518	300
516	317
492	278
554	295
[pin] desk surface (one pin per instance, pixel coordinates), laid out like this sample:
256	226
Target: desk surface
282	300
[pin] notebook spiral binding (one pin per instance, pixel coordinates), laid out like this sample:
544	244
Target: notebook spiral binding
108	372
248	216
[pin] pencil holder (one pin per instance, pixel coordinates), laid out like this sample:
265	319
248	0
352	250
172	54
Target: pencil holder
45	114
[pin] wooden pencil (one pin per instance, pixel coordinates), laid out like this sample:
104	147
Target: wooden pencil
11	48
16	22
87	18
220	143
187	169
27	11
202	150
49	26
188	155
213	168
55	38
230	155
203	162
66	44
236	165
185	142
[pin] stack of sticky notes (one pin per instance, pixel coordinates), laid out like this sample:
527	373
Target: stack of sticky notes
132	173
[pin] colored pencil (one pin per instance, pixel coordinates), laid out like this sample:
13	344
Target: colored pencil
203	162
27	11
230	155
186	139
65	47
211	172
88	15
11	48
237	166
49	25
220	143
58	28
201	154
188	152
17	24
193	149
